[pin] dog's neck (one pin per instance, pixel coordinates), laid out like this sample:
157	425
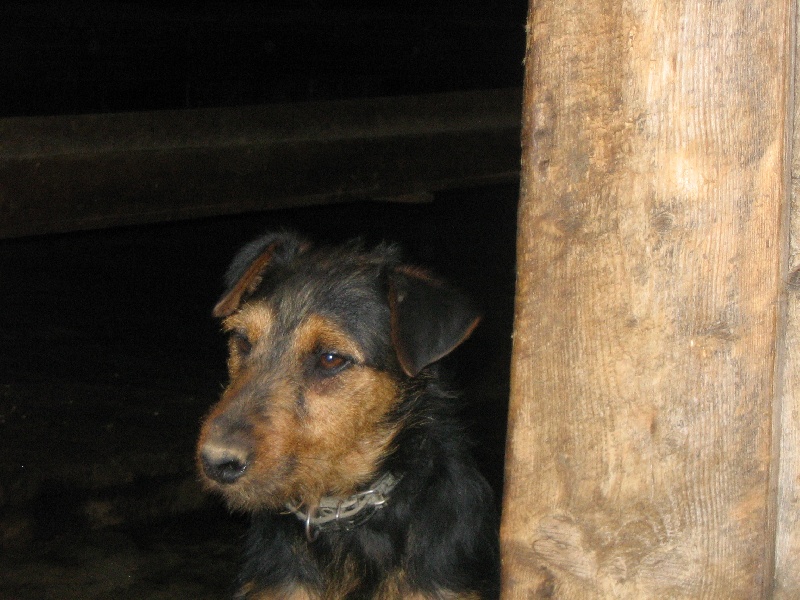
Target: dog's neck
334	513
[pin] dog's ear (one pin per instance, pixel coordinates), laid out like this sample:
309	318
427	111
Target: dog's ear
429	318
248	267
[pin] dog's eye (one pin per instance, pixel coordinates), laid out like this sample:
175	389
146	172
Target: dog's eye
240	343
330	363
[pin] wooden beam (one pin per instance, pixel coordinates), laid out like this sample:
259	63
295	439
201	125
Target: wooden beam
68	173
645	410
787	548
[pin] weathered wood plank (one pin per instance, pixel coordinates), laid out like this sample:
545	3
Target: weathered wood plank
67	173
787	550
641	460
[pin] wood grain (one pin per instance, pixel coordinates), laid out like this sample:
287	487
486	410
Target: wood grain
787	551
641	460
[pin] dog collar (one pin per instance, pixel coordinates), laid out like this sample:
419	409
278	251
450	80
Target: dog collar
344	514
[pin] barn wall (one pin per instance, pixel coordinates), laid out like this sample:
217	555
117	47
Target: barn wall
647	375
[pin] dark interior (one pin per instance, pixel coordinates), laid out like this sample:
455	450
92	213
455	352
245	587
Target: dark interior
109	356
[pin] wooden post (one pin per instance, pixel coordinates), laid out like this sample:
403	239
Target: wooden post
787	569
646	382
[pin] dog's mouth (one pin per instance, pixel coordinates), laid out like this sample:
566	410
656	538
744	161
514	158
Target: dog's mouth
249	494
254	487
243	482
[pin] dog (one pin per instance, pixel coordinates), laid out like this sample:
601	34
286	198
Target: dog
336	433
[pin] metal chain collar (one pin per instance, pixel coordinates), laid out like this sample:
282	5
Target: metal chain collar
344	514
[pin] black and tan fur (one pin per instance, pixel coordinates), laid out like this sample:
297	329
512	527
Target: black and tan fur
334	382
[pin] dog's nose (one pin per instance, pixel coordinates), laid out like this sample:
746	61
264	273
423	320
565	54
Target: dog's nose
224	465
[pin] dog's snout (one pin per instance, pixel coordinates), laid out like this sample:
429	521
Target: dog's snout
225	450
224	465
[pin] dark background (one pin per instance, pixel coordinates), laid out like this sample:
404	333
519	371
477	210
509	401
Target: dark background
86	57
108	354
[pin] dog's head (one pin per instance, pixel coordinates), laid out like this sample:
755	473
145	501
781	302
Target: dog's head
322	344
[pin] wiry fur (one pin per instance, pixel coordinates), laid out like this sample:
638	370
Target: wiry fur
436	537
